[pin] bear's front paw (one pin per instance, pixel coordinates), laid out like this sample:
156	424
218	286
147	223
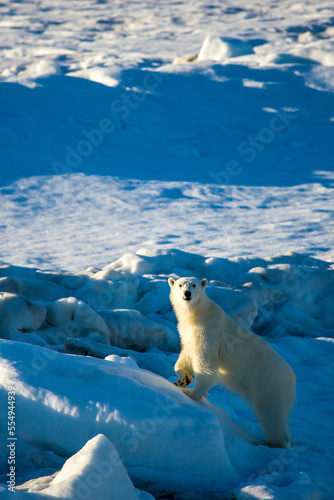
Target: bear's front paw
184	381
191	394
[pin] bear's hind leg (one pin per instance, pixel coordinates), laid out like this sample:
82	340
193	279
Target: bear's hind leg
274	420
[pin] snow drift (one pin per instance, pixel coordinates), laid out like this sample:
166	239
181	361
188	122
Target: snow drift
141	413
126	304
96	471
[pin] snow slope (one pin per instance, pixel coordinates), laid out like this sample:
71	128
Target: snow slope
141	140
214	123
141	413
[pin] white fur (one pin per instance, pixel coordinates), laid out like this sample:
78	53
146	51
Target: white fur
216	349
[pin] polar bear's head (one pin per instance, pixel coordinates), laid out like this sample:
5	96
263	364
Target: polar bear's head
187	291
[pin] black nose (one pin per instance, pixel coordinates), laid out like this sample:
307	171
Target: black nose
187	294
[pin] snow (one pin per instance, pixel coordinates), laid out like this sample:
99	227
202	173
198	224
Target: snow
96	471
218	221
140	412
221	49
140	141
126	304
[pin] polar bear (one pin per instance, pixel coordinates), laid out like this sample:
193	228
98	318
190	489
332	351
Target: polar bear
217	349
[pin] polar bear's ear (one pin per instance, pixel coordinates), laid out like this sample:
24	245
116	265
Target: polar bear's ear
171	282
204	282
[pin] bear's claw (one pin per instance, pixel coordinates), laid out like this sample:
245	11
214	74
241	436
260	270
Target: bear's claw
184	382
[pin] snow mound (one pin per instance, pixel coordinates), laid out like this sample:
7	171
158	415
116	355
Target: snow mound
221	49
19	315
96	471
319	51
160	434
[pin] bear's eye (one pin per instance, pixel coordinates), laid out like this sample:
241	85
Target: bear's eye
194	286
180	286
